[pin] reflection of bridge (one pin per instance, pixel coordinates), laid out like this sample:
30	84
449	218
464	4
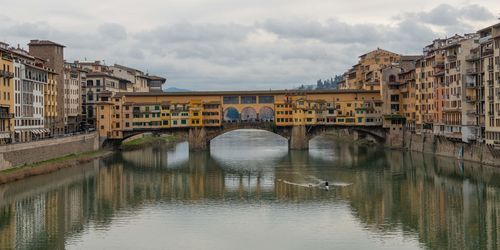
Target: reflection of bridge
297	116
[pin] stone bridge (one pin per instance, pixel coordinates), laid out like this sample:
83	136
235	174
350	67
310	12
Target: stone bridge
298	136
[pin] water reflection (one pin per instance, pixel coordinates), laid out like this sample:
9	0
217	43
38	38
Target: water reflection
169	198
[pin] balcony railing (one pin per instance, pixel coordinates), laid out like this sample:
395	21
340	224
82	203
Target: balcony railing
471	123
471	112
471	85
6	74
490	67
4	115
451	58
472	71
487	51
472	57
470	98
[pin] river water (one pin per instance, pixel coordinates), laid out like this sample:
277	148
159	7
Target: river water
250	192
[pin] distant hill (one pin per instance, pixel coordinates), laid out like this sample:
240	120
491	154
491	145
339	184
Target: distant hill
174	89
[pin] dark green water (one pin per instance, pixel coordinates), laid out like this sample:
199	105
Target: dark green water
250	192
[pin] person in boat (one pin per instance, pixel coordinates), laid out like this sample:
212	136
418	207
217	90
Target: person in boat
326	185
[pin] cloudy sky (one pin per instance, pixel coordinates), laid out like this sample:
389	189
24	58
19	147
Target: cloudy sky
236	44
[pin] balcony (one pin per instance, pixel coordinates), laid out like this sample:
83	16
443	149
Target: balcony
4	115
438	64
6	74
471	85
471	112
451	58
487	51
490	83
472	57
471	71
455	135
490	67
471	123
484	39
471	99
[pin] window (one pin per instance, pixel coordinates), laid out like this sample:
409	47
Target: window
266	99
230	99
248	99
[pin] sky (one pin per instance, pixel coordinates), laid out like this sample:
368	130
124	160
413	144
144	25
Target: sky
239	45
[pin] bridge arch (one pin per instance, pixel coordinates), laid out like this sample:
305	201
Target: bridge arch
248	114
231	114
266	114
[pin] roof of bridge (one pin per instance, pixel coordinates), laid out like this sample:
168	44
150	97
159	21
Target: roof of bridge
248	92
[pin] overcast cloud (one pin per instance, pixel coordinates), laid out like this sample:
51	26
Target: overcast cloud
229	45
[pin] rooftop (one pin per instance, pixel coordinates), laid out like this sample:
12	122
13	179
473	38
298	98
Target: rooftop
44	43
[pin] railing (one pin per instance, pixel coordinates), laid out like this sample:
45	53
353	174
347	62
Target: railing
471	112
472	57
487	51
451	58
490	83
6	74
470	98
490	67
471	71
471	85
6	115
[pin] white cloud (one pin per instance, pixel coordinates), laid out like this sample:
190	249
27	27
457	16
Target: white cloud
225	44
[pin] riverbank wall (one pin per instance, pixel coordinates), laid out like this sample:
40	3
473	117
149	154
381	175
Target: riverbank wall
14	155
441	146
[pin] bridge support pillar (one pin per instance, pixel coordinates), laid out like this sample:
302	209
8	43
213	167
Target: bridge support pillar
198	139
298	138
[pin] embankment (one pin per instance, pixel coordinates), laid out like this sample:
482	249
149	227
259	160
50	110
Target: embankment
14	155
438	145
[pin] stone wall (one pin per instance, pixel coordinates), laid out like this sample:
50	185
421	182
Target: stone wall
475	152
25	153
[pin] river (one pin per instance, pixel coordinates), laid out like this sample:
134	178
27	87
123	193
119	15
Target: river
250	192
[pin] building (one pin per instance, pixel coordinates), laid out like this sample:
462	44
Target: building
53	54
155	83
459	95
366	73
74	78
96	84
139	81
6	94
30	80
489	76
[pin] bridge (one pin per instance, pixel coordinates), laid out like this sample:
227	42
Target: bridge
202	116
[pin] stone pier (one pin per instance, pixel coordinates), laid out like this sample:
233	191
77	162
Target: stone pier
198	139
298	138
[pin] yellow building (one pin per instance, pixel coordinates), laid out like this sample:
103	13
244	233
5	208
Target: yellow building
125	112
195	113
50	102
6	95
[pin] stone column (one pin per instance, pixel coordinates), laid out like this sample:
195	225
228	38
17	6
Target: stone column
298	138
198	139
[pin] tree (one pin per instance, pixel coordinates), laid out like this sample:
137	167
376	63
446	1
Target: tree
319	84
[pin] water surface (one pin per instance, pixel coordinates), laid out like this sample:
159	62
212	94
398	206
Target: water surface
250	192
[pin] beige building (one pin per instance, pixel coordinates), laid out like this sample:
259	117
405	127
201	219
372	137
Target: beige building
367	73
74	78
489	68
139	81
